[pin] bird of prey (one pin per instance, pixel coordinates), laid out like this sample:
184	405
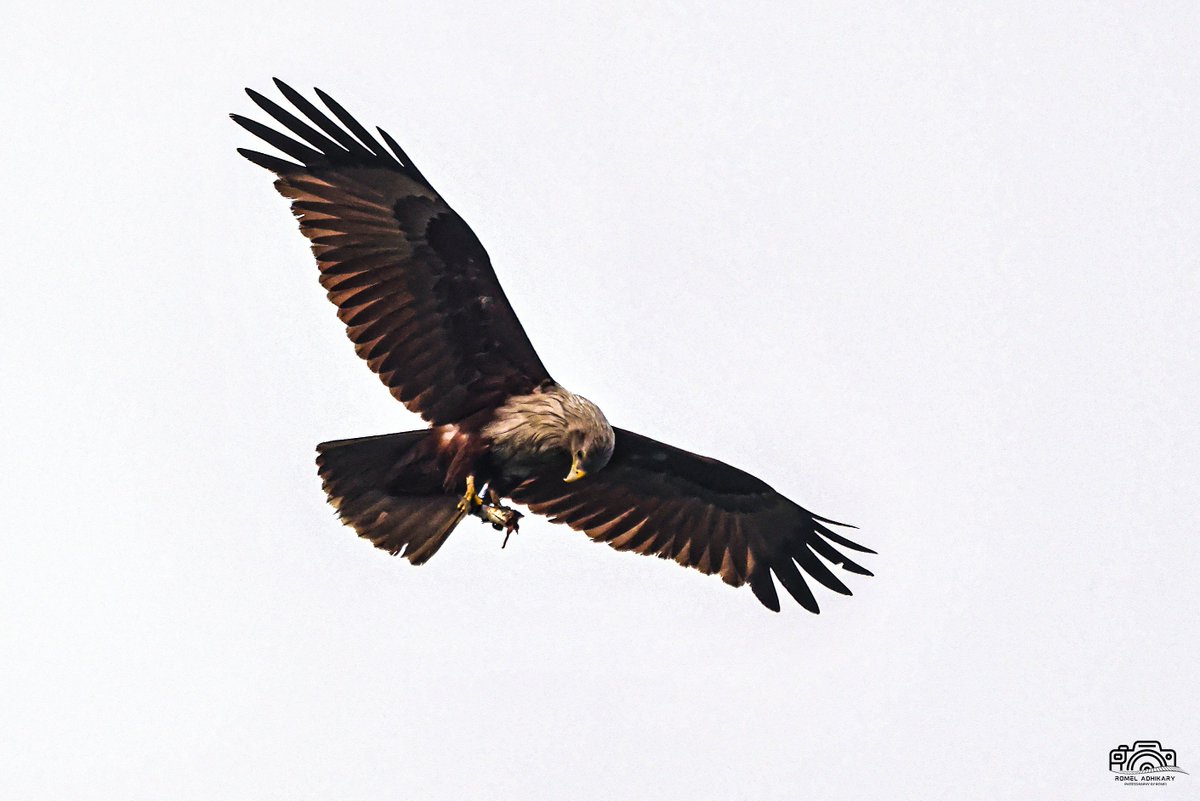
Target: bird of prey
424	308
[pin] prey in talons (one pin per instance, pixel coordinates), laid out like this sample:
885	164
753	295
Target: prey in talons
492	511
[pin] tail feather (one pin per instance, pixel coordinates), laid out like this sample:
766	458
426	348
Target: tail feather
389	489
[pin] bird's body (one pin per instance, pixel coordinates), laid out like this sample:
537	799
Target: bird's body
423	307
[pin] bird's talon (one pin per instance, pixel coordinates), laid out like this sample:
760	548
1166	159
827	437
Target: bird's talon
470	501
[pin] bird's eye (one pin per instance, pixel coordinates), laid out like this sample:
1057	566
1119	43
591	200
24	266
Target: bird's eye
578	454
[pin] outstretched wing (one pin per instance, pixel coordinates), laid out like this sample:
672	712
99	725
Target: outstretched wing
411	281
656	499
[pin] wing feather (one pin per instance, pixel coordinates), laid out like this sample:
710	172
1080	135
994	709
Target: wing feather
319	118
653	498
411	282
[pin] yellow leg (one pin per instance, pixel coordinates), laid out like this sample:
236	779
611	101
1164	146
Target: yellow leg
470	501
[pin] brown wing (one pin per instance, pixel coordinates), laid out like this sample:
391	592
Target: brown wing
411	281
656	499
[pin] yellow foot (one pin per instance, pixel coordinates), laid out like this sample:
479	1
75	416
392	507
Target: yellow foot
470	501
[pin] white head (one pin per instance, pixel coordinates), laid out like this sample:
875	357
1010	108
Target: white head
590	438
548	425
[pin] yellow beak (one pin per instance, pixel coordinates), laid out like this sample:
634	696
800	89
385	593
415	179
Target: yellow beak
576	473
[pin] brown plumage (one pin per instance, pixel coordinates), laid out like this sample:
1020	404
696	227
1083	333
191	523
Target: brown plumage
424	308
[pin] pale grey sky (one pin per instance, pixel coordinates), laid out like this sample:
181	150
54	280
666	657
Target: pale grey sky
928	270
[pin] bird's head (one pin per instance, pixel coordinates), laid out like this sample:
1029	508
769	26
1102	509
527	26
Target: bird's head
591	442
590	451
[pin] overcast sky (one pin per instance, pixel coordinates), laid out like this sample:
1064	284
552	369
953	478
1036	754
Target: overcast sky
931	271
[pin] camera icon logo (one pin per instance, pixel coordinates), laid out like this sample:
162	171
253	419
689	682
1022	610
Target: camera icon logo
1143	755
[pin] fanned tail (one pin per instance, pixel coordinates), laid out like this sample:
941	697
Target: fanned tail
389	489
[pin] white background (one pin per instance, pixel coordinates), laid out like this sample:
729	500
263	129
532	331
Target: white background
931	271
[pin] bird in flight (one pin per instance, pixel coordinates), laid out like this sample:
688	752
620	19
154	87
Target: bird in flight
424	308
